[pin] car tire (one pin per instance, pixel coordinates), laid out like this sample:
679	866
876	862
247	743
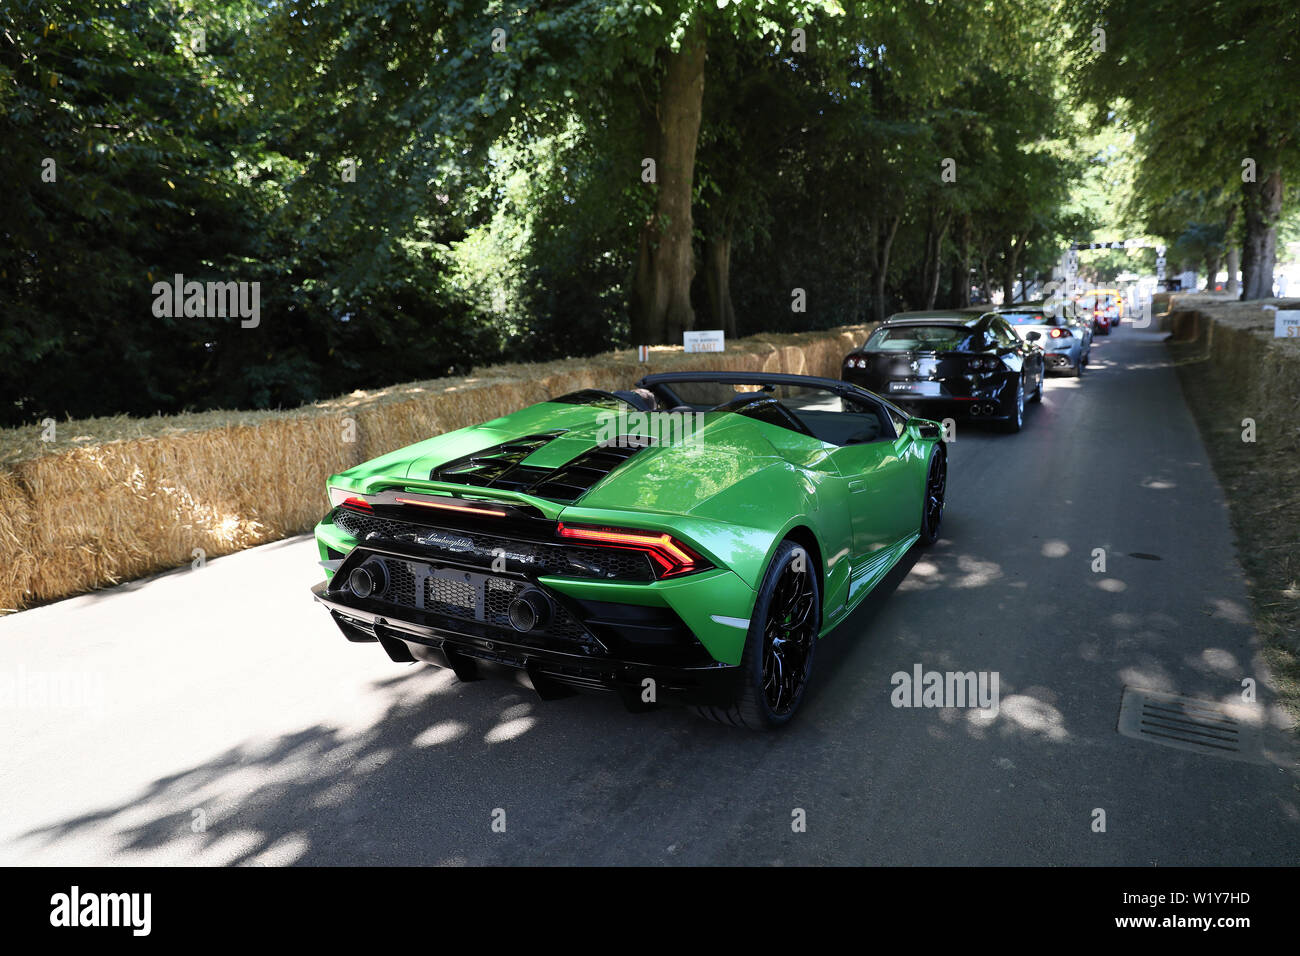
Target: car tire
763	664
1016	414
933	495
1078	368
1038	392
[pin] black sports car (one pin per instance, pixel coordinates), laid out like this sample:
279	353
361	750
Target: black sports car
939	365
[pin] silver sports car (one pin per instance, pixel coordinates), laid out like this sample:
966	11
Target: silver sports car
1066	344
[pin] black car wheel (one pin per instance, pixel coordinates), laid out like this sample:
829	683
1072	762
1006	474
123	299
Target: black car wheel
1016	413
936	486
778	657
1038	392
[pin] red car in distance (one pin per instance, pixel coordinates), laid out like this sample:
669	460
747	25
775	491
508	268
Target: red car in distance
1106	306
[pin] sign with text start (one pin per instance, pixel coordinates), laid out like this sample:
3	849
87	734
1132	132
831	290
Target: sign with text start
1286	322
705	341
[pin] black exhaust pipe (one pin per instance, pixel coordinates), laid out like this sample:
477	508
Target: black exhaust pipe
369	580
530	609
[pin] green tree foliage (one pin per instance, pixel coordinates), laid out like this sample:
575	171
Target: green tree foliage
113	128
420	187
1210	88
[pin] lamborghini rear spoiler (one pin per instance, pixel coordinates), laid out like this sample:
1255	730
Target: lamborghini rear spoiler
451	497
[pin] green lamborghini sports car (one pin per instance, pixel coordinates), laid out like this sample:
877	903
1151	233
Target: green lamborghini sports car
686	540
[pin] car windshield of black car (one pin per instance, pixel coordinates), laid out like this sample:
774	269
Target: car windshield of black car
920	338
1031	318
827	415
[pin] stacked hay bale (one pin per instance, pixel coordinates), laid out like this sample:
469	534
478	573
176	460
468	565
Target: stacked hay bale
1236	338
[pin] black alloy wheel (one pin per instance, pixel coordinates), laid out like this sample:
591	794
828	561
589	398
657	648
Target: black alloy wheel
781	642
936	486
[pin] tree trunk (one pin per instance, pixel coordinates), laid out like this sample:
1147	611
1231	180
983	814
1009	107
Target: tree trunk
959	288
953	299
882	265
1229	249
1234	266
1009	274
661	300
717	272
1261	205
1212	260
1021	243
872	245
934	260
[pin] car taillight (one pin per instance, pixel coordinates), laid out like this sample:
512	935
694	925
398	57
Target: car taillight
1058	333
671	557
852	362
342	498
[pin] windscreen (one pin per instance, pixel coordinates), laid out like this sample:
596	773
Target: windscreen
823	414
702	396
925	338
1032	318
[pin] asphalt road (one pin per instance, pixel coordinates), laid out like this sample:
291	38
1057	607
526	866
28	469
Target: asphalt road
215	716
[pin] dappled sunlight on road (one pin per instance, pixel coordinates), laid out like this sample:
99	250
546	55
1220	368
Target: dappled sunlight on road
442	732
1030	715
1034	715
971	572
509	730
224	811
513	722
1053	548
1228	610
1058	383
1215	660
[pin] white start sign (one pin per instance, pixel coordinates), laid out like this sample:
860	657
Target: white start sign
706	341
1286	324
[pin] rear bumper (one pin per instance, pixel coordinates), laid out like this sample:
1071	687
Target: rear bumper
987	403
449	611
939	409
1053	361
714	606
990	409
474	650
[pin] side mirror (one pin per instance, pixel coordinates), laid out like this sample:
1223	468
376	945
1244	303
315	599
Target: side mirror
925	428
1033	337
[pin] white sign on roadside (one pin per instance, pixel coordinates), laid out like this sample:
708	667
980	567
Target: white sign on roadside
1286	323
707	341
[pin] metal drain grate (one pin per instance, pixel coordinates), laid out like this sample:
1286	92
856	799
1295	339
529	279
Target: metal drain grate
1186	723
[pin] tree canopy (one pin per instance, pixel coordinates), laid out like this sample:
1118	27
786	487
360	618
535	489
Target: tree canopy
418	188
1211	96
